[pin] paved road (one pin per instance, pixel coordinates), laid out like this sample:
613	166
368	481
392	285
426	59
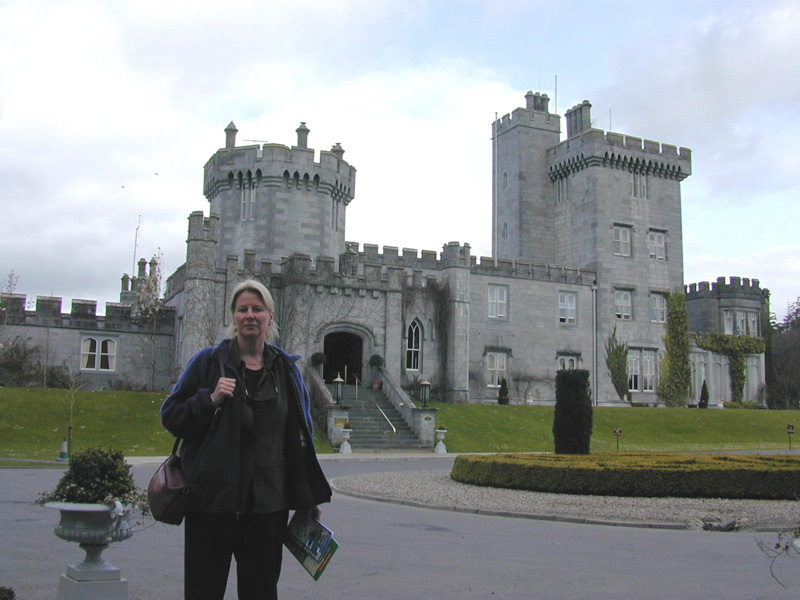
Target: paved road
398	552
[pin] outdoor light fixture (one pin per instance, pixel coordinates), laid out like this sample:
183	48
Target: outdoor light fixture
338	388
425	392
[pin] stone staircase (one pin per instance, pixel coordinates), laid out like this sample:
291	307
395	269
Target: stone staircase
371	432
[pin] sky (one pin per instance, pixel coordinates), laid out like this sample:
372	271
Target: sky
109	110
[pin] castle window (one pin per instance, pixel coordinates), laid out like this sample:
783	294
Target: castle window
740	322
247	192
505	180
639	184
495	367
567	307
567	361
641	370
656	245
622	240
562	189
413	347
498	301
658	308
623	305
98	356
634	367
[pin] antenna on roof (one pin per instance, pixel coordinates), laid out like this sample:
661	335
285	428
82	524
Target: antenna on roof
135	244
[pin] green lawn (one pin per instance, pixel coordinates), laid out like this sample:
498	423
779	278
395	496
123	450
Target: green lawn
493	428
34	421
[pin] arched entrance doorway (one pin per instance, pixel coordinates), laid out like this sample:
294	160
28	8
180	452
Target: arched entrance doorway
342	349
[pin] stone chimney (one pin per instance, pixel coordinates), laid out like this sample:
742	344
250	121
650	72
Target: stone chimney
579	119
230	135
302	135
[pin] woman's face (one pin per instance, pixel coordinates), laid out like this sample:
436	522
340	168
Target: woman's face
251	317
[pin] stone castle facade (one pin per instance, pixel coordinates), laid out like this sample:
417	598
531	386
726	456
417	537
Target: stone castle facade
587	239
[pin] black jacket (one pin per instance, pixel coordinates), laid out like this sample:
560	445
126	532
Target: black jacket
214	477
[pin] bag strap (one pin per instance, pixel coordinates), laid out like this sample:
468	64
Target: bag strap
215	420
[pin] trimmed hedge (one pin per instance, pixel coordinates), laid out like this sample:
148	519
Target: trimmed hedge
753	476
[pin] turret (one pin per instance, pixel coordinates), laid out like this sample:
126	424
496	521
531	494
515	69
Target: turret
252	187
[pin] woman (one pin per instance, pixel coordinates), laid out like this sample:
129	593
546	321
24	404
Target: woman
244	414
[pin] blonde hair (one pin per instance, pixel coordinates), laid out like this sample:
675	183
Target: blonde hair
260	290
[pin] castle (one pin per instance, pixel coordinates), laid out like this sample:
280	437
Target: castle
586	237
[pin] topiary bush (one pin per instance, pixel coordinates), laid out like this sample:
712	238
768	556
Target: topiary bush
502	396
703	396
573	418
656	475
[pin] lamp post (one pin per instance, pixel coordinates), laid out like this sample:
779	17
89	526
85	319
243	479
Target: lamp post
338	388
425	392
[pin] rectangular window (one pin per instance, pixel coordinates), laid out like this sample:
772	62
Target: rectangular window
752	325
657	245
642	372
623	305
648	371
658	308
633	370
498	301
567	307
622	240
638	184
562	190
496	367
727	322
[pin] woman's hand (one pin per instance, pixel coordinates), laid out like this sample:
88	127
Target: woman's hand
224	389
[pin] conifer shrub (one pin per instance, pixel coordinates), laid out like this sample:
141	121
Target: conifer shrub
573	419
703	396
502	396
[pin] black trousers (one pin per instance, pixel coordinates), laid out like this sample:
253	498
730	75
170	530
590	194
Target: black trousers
255	541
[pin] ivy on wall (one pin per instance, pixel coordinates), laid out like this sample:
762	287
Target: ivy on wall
736	348
674	388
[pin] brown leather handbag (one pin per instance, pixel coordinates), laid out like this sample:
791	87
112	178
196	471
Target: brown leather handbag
168	493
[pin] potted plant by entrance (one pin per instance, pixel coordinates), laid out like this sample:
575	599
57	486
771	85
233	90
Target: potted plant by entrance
376	362
96	497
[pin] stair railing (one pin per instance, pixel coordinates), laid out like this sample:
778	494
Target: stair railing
386	418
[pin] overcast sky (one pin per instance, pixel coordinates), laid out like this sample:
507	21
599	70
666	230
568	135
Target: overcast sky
109	110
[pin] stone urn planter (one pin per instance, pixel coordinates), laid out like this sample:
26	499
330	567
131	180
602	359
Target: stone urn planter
95	498
345	447
440	447
94	527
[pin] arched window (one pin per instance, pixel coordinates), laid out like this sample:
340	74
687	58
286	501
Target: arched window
413	346
100	356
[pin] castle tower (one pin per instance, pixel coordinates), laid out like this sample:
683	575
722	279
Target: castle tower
601	201
277	200
522	191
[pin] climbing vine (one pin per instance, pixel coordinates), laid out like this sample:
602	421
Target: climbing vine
675	385
736	348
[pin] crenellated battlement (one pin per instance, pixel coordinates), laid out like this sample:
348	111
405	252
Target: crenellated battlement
595	147
83	315
740	287
366	267
535	114
276	165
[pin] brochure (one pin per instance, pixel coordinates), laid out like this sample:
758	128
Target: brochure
311	543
